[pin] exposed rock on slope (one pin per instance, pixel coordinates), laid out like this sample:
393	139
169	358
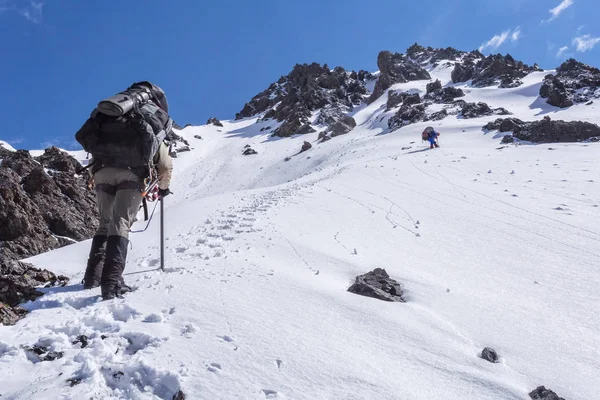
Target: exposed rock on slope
379	285
546	130
44	204
306	89
491	70
396	68
574	82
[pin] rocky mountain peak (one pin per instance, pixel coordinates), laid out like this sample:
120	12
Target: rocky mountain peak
574	82
307	88
396	68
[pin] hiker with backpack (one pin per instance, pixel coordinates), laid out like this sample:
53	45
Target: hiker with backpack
431	136
125	136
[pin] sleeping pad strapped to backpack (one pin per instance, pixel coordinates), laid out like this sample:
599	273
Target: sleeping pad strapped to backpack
125	131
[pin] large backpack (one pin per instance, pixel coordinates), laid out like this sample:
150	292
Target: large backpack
126	130
425	133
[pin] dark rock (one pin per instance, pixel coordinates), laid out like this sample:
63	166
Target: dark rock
214	121
462	72
437	116
490	355
74	381
183	149
395	68
19	282
501	111
324	136
332	114
445	95
42	353
430	55
177	126
491	70
179	395
546	131
341	127
249	151
476	110
407	114
574	82
504	125
56	159
83	340
432	87
305	129
309	87
412	99
395	98
10	315
34	205
305	146
197	137
507	139
175	140
379	285
541	393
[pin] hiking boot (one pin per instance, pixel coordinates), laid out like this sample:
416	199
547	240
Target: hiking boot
95	263
116	292
112	283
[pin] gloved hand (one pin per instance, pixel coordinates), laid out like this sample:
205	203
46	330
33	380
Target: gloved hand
162	193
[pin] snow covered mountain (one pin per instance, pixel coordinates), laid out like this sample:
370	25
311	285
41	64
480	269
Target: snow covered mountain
495	245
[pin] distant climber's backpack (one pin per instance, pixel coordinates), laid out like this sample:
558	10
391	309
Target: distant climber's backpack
125	130
425	134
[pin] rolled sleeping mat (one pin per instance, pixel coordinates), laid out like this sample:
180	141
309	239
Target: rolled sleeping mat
121	103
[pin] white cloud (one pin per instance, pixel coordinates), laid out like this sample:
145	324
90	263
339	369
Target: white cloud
585	42
31	11
500	38
561	51
516	35
556	11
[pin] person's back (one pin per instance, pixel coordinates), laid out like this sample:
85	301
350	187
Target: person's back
432	138
121	170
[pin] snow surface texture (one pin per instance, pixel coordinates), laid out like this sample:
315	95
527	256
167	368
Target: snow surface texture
495	246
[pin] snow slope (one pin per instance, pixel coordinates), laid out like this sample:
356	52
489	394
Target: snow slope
496	246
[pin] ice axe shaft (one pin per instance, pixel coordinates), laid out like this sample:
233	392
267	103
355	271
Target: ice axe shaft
162	234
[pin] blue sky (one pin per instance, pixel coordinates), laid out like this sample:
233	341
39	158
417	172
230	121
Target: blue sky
60	57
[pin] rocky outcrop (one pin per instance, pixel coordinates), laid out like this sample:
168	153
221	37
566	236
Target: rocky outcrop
480	109
305	147
341	127
503	125
332	114
433	86
19	283
11	315
308	88
446	95
248	151
490	355
429	55
396	68
214	121
379	285
44	204
547	130
541	393
573	83
407	114
497	69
